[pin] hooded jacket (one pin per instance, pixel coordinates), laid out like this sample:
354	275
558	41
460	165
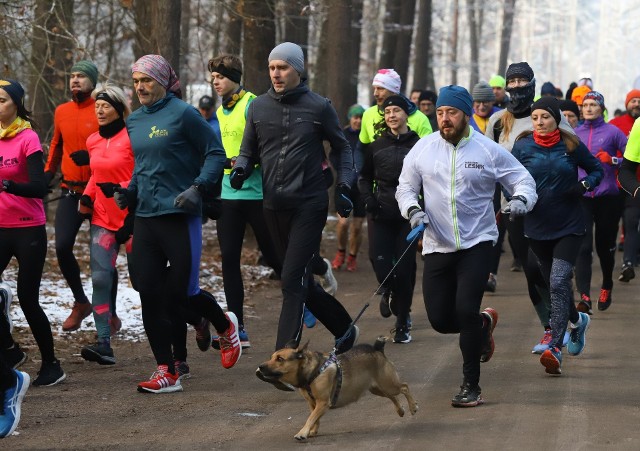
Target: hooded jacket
598	136
285	134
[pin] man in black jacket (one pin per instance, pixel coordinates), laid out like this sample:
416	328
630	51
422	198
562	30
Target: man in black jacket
284	134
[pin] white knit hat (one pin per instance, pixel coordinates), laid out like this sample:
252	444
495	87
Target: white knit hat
388	79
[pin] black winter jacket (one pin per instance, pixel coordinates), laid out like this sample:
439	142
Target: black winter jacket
381	170
284	134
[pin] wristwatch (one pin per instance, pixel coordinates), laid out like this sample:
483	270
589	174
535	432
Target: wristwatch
586	185
520	198
616	160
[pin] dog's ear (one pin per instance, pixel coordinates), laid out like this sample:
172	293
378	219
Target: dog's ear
291	344
304	348
300	351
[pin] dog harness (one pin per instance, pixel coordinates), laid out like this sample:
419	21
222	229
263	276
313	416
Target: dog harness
335	392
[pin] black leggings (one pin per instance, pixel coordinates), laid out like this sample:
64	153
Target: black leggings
296	234
175	239
231	225
604	213
67	224
556	259
452	288
631	232
389	243
29	246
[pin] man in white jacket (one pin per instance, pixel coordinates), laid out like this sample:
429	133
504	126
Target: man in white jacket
456	171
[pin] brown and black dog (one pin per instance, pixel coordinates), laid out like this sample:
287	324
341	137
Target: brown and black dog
326	383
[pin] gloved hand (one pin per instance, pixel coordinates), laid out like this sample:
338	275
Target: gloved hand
80	157
237	178
4	185
604	158
124	233
85	206
417	217
189	199
108	188
343	203
120	196
516	208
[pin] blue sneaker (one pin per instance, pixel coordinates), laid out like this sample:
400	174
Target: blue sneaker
309	320
551	359
565	339
578	336
12	402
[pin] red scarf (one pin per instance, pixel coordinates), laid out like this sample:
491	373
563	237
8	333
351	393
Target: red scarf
549	140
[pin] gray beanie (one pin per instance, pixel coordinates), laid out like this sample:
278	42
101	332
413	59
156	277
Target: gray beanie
291	53
482	92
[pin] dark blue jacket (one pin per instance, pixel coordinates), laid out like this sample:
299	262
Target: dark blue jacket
558	212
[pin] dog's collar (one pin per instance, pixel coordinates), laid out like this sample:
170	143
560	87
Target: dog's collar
333	359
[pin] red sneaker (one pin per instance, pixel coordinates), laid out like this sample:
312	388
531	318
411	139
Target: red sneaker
351	263
488	345
162	381
78	313
338	260
230	348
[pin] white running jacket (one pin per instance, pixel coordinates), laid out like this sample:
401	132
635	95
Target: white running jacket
458	184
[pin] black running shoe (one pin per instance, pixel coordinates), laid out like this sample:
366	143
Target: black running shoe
14	357
50	374
469	396
402	335
584	305
98	353
385	309
627	273
349	341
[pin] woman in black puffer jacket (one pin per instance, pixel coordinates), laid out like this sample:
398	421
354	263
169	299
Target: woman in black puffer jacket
377	183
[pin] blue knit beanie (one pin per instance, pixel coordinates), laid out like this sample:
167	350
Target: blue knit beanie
14	89
457	97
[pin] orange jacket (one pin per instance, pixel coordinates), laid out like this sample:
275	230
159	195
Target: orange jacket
73	123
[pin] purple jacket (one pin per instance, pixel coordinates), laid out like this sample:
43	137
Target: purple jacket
598	136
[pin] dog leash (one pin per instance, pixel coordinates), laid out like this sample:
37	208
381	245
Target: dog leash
396	264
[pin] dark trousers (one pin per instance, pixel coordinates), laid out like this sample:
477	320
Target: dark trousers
177	240
603	213
29	246
296	234
452	287
67	224
388	245
231	225
631	233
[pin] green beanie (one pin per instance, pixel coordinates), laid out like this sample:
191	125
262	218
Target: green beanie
497	82
355	110
87	68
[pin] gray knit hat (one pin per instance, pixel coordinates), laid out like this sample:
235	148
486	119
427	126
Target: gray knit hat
482	92
291	53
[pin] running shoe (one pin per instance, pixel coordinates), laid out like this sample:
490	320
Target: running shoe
161	381
469	396
627	272
309	318
182	369
584	305
230	348
349	341
338	260
244	338
100	353
385	304
577	340
329	282
78	313
50	374
402	335
488	345
491	284
516	266
14	356
203	335
12	404
352	263
604	301
5	304
544	343
551	359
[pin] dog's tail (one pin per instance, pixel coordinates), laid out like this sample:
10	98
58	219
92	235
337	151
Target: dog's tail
379	344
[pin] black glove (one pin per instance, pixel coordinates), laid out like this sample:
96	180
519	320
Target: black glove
85	206
124	233
343	203
120	196
189	199
237	178
80	157
108	188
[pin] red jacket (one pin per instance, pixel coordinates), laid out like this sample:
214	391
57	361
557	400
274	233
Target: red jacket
624	123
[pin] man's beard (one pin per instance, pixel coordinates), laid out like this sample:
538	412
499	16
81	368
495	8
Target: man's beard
80	96
634	112
454	136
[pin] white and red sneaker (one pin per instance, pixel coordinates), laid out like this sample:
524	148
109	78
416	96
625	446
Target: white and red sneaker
162	381
488	346
230	348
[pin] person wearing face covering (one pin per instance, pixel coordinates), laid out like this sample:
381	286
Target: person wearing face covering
504	127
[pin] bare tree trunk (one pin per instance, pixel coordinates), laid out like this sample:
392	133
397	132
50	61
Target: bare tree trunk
319	78
158	30
474	43
505	38
52	56
339	52
454	44
354	40
185	27
259	40
422	68
390	36
403	41
295	23
234	27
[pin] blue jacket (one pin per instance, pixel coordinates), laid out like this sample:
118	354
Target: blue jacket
174	148
557	212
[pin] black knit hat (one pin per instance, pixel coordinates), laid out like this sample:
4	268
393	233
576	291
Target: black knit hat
549	104
398	101
520	70
569	105
428	95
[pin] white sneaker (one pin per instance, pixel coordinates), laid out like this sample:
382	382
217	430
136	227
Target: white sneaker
5	303
329	282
